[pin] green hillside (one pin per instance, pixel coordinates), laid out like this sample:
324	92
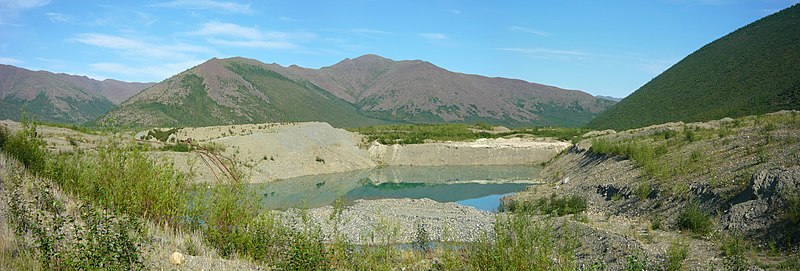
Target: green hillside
753	70
56	110
286	101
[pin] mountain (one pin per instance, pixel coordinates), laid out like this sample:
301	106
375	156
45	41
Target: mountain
420	92
232	91
615	99
367	90
61	98
753	70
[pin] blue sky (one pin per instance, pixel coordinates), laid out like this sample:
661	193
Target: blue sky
601	47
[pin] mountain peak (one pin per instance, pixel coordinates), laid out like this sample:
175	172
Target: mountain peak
371	58
59	97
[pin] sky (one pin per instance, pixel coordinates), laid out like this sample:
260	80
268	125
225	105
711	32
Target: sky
602	47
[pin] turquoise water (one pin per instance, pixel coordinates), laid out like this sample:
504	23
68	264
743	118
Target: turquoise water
477	186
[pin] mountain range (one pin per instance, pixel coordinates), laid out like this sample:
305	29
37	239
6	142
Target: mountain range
753	70
366	90
61	98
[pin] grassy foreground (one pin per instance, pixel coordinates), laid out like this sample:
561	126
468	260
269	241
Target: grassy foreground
97	210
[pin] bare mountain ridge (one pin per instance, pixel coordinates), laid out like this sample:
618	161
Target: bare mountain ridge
59	97
366	90
413	87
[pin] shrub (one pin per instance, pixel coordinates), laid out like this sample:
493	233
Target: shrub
25	147
518	243
656	221
694	219
735	248
690	135
643	191
553	205
635	263
676	254
793	207
307	252
177	147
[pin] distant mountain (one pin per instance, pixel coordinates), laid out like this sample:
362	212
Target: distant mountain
420	92
753	70
364	91
62	98
613	99
231	91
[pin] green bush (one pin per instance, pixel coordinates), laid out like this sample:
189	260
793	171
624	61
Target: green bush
124	179
519	243
307	252
656	221
24	146
177	147
793	207
644	154
553	205
94	239
643	191
734	247
676	255
694	219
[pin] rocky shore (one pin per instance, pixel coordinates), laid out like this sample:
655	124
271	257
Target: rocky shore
372	222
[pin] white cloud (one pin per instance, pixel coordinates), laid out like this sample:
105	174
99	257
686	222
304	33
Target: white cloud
254	44
229	7
528	30
58	17
289	19
23	4
148	72
543	51
10	9
455	11
228	29
434	36
10	61
368	31
234	35
138	48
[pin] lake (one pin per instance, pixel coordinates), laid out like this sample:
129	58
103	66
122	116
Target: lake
477	186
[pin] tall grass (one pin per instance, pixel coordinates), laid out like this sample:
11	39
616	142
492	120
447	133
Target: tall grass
124	179
643	153
519	243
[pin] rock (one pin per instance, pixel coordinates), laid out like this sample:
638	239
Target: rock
141	135
565	180
176	258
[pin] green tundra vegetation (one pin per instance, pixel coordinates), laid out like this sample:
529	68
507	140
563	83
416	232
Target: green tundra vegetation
751	71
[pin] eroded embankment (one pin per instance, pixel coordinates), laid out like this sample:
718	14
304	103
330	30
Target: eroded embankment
500	151
742	175
280	151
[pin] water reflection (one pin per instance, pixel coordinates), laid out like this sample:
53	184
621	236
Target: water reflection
478	186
